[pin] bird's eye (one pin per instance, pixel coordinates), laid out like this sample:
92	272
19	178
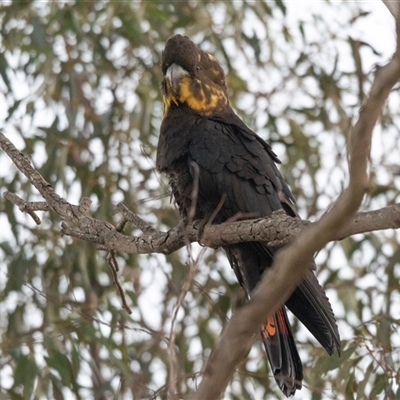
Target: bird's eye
198	68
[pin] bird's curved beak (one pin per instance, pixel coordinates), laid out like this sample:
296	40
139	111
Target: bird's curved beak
174	74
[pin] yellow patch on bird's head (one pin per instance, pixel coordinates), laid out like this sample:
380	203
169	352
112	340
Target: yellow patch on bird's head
168	95
205	99
192	77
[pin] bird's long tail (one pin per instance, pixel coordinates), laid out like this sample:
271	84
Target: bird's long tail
309	304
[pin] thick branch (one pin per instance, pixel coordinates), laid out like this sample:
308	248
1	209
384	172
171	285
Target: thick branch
276	230
280	229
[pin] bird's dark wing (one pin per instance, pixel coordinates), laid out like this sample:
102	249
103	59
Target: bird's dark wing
235	164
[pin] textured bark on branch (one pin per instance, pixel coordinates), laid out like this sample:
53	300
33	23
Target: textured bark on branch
277	230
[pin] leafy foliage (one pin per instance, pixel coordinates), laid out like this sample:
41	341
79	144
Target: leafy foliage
80	96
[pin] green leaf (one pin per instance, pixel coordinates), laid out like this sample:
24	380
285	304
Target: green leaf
60	362
378	385
25	375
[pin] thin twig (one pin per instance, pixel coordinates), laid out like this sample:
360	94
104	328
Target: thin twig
172	332
27	207
112	262
138	222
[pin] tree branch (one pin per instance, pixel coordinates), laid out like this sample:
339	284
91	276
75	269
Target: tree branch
277	230
28	207
393	6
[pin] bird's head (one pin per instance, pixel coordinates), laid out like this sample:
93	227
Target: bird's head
193	78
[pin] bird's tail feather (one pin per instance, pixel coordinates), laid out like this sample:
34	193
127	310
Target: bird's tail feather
311	306
282	352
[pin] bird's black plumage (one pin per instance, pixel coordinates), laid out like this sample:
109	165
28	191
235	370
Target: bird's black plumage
219	167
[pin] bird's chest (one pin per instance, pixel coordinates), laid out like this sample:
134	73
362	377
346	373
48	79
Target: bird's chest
176	134
183	188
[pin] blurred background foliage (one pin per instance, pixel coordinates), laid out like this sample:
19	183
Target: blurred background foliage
79	94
